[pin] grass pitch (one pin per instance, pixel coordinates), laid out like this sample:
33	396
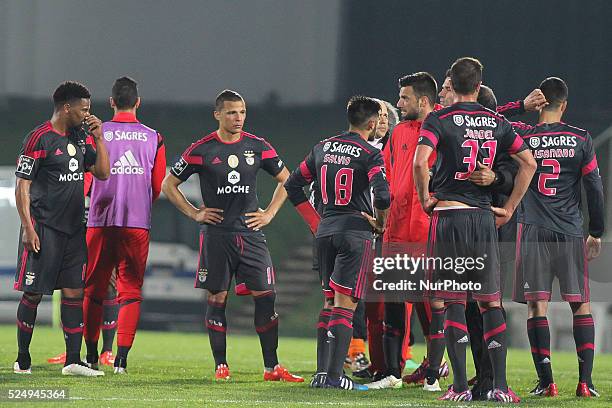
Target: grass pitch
176	369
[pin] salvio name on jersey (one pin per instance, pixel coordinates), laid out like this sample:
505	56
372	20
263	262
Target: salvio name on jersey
338	147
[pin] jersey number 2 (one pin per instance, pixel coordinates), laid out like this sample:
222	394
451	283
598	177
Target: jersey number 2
343	185
556	169
471	158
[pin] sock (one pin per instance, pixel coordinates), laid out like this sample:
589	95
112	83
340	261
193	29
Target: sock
322	345
436	345
266	325
393	337
494	326
356	347
71	311
457	339
92	319
109	322
584	336
26	318
339	333
121	358
127	322
539	340
473	319
217	330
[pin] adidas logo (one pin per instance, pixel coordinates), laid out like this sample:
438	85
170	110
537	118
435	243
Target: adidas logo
216	160
127	164
493	344
580	360
330	335
545	361
58	152
526	286
464	339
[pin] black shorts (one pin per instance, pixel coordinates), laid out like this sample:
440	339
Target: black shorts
463	255
59	264
543	254
224	255
344	261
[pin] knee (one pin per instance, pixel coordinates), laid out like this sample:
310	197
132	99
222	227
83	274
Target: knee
579	308
33	298
536	309
484	306
217	297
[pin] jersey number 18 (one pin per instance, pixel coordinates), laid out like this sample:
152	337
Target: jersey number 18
343	185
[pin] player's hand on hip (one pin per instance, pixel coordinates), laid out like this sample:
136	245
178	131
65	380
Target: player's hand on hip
502	216
535	101
376	227
484	176
258	219
207	215
429	205
30	240
95	126
593	247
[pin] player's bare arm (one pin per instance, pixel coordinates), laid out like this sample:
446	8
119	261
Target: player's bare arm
261	218
378	223
202	215
101	168
535	101
22	199
482	176
421	177
527	167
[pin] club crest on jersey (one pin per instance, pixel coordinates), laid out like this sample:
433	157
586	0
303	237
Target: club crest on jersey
458	120
534	142
233	177
73	164
249	157
232	161
326	146
202	274
25	165
108	136
71	150
180	166
29	278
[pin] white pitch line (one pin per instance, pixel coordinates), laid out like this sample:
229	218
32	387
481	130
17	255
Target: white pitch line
264	402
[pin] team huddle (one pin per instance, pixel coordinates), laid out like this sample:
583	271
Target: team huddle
457	177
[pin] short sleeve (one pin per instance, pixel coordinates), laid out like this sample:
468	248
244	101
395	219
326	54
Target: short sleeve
31	156
511	142
430	132
189	163
90	152
270	161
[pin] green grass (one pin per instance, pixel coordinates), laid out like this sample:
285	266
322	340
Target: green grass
175	369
